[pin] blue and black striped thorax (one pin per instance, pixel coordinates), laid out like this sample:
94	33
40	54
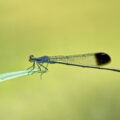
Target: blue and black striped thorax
43	59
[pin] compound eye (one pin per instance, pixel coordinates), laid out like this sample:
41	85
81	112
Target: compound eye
31	58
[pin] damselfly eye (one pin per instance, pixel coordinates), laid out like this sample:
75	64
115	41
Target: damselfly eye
31	58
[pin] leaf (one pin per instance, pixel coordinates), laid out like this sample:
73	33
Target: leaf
12	75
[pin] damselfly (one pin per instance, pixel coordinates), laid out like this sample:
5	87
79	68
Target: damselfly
91	60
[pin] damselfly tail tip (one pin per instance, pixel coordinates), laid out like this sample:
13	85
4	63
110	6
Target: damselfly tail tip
102	58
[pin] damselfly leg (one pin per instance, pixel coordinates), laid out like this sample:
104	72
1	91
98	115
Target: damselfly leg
41	65
33	67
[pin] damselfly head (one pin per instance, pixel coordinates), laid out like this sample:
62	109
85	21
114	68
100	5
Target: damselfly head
31	58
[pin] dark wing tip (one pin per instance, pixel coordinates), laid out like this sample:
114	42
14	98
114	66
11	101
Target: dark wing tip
102	58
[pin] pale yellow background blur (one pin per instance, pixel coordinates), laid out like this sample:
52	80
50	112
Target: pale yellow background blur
59	27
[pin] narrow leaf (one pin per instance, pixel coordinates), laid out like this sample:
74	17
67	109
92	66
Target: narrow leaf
12	75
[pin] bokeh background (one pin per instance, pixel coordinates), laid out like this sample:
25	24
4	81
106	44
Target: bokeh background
59	27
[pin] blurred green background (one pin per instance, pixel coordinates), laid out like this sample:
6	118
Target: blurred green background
59	27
